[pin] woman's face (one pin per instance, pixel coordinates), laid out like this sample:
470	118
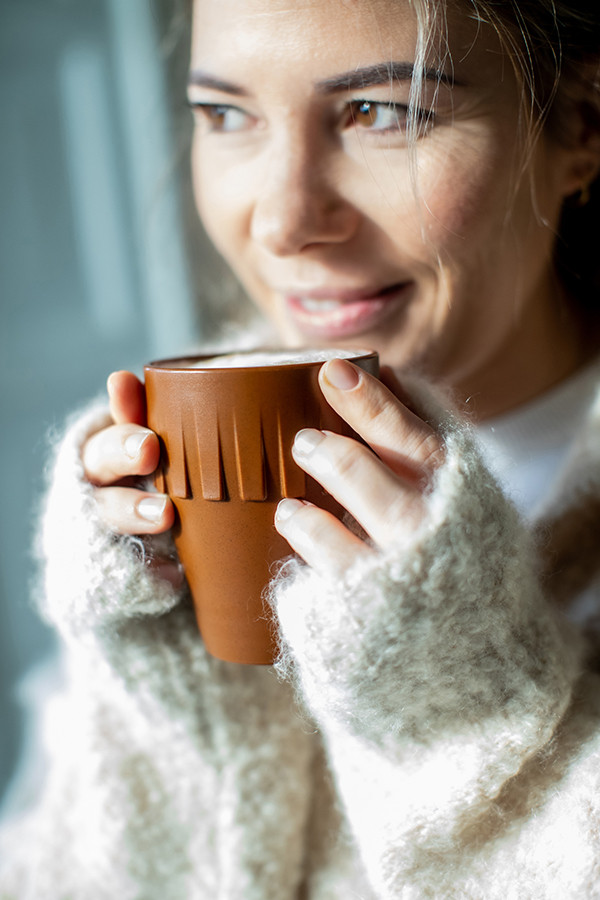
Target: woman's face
434	254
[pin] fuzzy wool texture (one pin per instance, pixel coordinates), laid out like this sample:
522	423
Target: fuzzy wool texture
431	730
169	768
436	672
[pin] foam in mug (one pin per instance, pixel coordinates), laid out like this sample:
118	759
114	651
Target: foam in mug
253	358
226	425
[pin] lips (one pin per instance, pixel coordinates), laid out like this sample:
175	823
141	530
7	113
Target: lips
338	312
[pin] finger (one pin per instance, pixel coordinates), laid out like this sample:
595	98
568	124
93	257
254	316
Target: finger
388	377
120	451
382	502
400	438
168	570
129	511
318	537
127	398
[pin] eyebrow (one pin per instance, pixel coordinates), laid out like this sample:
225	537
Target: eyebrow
381	73
198	78
356	79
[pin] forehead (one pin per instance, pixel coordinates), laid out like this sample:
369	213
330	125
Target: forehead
324	37
284	29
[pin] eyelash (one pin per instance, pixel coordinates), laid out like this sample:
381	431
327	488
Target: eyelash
212	111
397	112
214	116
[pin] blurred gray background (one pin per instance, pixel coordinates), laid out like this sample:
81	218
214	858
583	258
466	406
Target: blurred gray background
93	276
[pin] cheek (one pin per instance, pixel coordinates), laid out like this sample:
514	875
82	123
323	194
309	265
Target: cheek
219	202
464	204
451	214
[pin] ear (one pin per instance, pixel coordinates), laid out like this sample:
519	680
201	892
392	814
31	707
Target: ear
583	167
576	126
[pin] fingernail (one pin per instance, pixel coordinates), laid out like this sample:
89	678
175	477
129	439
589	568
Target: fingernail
306	441
341	374
286	509
133	443
152	508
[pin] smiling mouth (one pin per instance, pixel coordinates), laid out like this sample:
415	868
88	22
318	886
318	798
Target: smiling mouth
344	313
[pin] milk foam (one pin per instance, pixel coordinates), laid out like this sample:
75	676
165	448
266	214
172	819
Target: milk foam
273	358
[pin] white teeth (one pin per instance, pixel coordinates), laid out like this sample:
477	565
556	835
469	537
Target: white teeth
319	305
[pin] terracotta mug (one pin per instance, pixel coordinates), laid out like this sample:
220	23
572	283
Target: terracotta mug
226	427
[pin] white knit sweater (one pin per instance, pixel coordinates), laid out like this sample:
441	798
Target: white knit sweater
432	729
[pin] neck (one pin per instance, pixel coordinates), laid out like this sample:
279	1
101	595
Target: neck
550	342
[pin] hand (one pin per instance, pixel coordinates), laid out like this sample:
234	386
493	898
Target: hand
383	490
118	455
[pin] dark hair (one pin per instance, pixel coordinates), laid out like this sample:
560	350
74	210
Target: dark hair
561	41
554	47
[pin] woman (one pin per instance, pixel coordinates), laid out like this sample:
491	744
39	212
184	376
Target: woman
406	177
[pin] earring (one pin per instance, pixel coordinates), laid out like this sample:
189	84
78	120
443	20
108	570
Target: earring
583	197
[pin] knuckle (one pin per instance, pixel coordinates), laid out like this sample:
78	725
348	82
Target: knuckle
385	416
379	412
348	458
312	532
132	511
313	522
429	451
115	509
105	506
404	514
119	451
92	456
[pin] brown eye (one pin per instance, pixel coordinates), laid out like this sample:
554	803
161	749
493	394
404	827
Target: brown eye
219	117
363	114
377	117
216	115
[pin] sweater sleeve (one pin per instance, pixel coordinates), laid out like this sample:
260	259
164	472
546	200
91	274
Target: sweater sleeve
92	576
439	675
167	769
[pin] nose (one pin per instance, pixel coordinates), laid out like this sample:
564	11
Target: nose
299	205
